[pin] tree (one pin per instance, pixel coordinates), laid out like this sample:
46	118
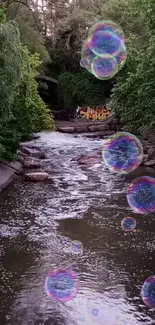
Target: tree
133	96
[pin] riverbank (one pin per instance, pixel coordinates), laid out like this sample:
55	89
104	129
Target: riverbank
8	171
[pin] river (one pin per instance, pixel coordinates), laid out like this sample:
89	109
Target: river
39	221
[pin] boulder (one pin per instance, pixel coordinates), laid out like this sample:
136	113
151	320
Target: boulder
81	129
94	128
35	136
88	159
66	129
33	152
150	163
151	153
31	162
37	177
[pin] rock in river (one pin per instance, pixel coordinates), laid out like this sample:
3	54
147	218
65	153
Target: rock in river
88	159
37	177
31	162
33	152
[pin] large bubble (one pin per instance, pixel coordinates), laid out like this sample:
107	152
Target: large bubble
141	195
107	25
86	56
105	42
62	284
84	63
104	67
148	292
121	57
128	224
122	153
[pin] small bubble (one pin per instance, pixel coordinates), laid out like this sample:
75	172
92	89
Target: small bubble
128	224
77	247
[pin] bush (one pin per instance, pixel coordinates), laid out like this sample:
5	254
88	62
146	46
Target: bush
82	89
133	97
22	110
30	112
10	66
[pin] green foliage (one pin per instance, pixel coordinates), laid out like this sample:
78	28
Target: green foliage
30	112
22	111
30	29
2	15
133	96
10	66
82	89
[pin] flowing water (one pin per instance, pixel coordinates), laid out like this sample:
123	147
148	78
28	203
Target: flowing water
39	221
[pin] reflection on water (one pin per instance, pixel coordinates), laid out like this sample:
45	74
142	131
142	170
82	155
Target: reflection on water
39	222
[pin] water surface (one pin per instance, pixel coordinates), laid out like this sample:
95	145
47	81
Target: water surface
39	221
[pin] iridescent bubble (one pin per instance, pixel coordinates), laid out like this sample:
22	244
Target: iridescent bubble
104	67
122	152
84	63
128	224
77	247
121	57
62	284
87	55
141	194
105	42
107	25
95	312
148	292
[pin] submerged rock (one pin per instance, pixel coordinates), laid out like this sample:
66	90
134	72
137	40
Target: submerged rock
37	177
87	159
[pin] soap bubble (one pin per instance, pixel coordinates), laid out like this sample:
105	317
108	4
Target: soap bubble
77	247
128	224
121	57
148	292
84	63
104	67
105	43
62	284
87	55
95	312
106	40
107	25
141	194
122	152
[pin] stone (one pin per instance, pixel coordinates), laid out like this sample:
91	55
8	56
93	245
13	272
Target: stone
88	159
37	177
101	127
31	162
8	172
81	129
150	163
66	129
33	152
35	136
145	159
151	153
